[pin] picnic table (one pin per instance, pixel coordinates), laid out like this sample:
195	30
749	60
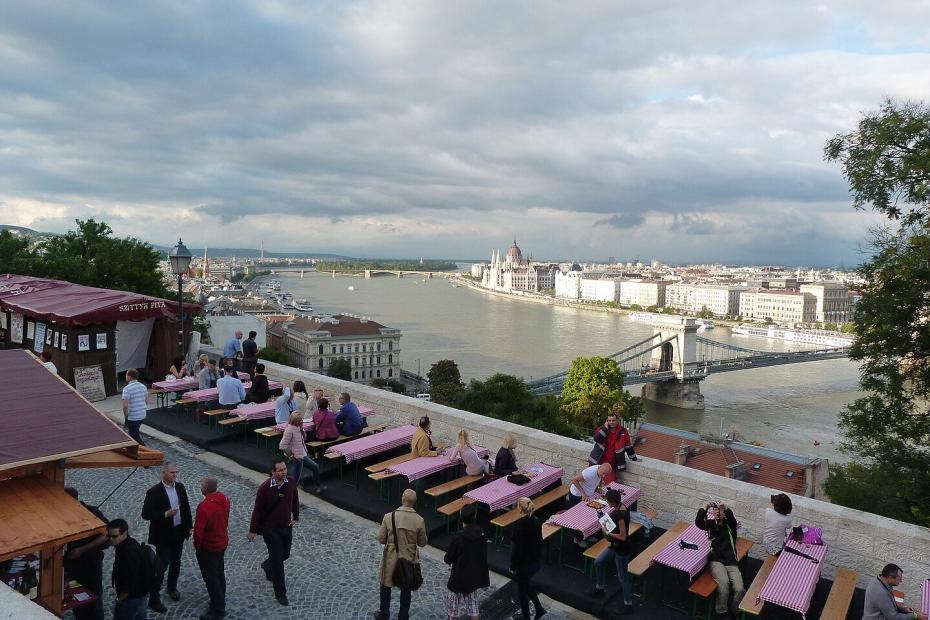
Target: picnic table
793	578
502	493
190	383
583	518
424	466
208	394
925	596
254	411
691	561
373	444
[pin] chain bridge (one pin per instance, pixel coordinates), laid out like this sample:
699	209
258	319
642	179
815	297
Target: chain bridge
671	363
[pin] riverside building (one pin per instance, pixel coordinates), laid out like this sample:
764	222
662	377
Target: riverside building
782	307
372	349
832	304
514	273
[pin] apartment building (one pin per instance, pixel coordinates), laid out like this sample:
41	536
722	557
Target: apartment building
643	293
833	305
780	306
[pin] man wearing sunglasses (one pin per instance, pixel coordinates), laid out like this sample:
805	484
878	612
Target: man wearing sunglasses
129	573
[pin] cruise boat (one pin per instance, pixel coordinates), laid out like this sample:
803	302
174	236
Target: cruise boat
704	325
642	317
805	336
303	305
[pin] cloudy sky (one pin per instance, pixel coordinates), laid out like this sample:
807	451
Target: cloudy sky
683	131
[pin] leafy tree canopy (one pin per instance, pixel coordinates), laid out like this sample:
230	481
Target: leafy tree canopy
340	369
589	373
593	389
887	163
444	372
16	255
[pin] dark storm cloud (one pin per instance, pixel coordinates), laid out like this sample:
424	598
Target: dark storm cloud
399	118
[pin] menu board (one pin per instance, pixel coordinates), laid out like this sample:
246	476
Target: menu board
88	381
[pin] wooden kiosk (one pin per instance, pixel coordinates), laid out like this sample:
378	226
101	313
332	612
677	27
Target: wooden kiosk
45	428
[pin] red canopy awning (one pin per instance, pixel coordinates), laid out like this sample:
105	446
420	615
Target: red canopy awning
73	304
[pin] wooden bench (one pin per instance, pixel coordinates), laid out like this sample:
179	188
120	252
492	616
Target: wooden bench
452	509
452	485
841	593
705	586
397	460
751	603
549	530
232	420
513	515
639	565
320	446
591	553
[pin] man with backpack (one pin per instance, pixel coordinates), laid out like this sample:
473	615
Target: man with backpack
720	524
134	572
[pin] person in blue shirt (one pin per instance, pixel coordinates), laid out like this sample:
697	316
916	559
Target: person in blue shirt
230	390
349	417
233	349
284	406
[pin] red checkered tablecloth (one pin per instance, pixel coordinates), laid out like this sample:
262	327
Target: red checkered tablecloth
692	561
423	466
503	494
793	578
374	444
583	518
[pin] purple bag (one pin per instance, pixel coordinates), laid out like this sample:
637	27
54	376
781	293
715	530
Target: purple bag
807	534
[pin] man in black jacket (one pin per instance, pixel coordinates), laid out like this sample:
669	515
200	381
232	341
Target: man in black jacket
168	512
260	391
250	354
720	524
130	569
468	555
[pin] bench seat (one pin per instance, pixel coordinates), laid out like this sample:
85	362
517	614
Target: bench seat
452	485
315	445
540	501
751	603
841	593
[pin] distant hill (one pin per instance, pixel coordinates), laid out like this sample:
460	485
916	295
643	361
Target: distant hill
21	230
253	253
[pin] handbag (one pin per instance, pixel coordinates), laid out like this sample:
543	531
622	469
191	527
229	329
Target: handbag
407	574
518	479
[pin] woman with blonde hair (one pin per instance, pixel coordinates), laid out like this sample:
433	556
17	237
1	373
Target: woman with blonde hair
505	463
294	445
474	464
525	557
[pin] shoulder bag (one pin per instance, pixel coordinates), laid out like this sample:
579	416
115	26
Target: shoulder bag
407	574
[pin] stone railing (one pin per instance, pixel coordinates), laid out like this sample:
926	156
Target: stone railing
858	540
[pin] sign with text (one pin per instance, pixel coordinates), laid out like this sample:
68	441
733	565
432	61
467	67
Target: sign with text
88	381
16	328
38	345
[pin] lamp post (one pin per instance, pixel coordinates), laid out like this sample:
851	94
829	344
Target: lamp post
180	259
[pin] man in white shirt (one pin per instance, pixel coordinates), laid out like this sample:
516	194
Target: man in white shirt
134	397
168	511
584	485
47	361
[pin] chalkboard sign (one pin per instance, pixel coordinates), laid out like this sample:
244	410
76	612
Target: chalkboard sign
88	380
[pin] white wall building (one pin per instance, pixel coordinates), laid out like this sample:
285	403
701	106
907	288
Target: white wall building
600	290
514	273
833	304
643	293
782	307
373	350
679	296
568	284
721	299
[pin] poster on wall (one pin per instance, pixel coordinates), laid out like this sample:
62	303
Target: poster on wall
38	345
88	381
64	342
101	341
56	340
2	320
16	328
48	337
30	330
84	342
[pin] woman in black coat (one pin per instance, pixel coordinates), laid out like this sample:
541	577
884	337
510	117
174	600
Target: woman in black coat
525	557
505	463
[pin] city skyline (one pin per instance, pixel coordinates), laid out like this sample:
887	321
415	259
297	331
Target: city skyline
688	134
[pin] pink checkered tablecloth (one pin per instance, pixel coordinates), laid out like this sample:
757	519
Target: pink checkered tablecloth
255	411
925	596
208	394
503	494
692	561
423	466
374	444
583	518
191	383
793	578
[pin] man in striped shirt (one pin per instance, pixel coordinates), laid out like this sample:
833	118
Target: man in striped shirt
134	397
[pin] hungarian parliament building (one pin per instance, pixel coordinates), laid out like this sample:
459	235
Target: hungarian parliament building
515	273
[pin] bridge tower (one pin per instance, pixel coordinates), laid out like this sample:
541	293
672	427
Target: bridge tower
678	353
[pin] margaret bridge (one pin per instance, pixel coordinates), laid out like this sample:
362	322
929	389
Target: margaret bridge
671	363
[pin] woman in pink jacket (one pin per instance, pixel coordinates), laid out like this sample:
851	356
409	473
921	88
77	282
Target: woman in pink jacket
294	445
324	422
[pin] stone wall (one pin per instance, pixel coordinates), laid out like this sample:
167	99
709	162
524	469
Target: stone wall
858	540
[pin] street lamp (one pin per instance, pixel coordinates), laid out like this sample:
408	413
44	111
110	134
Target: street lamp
180	259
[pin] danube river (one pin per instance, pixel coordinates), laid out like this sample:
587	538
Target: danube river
784	407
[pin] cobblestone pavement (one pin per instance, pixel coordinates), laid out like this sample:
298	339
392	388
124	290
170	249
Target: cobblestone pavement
332	572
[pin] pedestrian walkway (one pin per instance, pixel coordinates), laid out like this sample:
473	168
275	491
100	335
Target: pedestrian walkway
332	572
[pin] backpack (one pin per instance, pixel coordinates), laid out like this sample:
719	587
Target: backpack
152	570
807	534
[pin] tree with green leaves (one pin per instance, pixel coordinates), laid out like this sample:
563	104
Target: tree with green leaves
593	389
445	382
505	397
340	368
92	256
887	164
17	255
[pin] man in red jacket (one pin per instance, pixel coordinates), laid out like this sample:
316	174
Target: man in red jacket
211	537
